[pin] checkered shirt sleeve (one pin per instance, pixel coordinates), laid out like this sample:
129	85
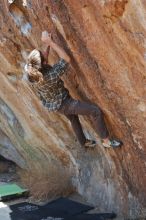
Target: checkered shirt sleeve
58	69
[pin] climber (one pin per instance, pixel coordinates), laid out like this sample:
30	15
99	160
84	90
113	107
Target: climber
46	82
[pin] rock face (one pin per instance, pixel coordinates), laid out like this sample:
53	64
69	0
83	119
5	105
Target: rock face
107	44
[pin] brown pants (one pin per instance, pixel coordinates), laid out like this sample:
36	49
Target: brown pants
72	108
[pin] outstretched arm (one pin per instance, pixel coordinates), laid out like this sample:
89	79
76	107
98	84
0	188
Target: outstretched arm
46	38
61	53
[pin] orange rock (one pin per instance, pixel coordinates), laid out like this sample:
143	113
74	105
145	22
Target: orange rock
106	41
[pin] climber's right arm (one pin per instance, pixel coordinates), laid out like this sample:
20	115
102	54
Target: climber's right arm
61	53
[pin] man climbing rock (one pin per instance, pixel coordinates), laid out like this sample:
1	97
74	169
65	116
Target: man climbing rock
47	84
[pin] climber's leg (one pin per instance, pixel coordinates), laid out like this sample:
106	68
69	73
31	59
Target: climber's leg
76	107
76	125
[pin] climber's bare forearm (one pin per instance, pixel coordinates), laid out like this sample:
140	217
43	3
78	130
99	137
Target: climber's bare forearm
61	53
47	40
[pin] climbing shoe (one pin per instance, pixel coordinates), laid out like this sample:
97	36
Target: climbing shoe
90	143
113	144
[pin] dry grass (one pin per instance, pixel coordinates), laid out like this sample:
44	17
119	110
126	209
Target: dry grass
47	184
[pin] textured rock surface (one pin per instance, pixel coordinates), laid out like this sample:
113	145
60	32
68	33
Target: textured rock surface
107	44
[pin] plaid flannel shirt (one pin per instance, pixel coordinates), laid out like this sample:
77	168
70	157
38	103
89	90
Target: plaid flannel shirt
52	91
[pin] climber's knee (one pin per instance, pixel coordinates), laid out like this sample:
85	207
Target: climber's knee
96	111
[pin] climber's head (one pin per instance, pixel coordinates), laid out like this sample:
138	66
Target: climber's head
34	59
34	65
